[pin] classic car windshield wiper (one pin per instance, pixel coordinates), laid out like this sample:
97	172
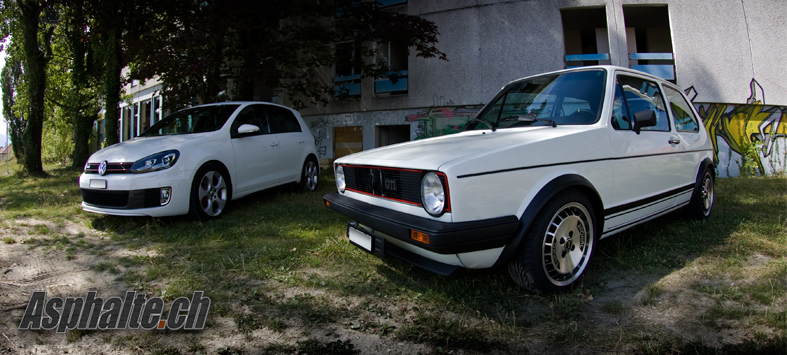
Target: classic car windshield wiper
529	119
484	122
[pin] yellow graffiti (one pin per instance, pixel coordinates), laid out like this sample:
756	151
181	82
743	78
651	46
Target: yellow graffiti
742	126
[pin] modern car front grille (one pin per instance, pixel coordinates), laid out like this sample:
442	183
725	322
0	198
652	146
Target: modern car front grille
122	199
112	168
402	185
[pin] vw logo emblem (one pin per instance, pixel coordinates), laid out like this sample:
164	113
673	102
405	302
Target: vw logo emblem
102	168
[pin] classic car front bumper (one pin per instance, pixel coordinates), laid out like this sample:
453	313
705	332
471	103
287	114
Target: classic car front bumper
444	237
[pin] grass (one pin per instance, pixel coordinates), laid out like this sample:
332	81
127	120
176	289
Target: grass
279	260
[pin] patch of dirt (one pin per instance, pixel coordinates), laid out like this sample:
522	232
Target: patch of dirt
619	309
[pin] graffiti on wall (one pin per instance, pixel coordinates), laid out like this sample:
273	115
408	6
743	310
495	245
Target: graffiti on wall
438	121
747	139
322	127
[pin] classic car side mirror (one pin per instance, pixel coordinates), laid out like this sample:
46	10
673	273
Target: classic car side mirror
646	118
248	128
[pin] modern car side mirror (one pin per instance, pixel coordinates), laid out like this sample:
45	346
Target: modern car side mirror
646	118
248	128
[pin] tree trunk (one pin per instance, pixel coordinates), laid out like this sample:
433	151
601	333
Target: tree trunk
112	68
82	122
35	75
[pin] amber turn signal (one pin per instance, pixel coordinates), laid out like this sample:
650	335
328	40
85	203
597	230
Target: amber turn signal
419	236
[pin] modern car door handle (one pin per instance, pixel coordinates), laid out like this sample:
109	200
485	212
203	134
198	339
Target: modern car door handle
674	140
273	144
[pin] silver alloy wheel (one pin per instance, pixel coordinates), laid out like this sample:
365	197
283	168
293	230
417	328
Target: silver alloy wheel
567	244
310	173
706	194
212	193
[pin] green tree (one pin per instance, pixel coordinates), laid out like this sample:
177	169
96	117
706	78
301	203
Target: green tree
33	22
11	81
197	50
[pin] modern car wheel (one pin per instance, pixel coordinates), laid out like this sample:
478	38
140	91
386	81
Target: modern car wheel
309	175
701	204
210	192
557	246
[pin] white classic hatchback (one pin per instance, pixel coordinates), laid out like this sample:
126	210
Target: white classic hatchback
551	165
198	159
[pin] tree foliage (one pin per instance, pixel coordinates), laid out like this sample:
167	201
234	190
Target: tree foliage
227	49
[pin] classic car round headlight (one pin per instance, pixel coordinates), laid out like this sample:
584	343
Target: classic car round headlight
433	194
340	183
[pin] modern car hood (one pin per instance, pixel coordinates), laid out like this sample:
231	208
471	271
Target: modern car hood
433	152
140	147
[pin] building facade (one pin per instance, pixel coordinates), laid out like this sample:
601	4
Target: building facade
727	54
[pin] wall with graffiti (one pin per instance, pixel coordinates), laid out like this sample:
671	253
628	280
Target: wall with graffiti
424	123
748	139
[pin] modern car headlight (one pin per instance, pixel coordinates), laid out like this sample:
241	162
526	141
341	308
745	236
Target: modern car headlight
340	182
155	162
433	194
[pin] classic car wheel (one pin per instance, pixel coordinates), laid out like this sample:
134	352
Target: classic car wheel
701	204
309	175
210	192
558	245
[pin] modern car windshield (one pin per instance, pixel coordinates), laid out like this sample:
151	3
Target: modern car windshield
192	120
573	98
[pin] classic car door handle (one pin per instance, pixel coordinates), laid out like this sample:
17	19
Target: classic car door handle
674	140
300	141
273	144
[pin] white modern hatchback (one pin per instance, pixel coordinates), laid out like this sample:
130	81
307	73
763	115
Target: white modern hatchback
552	164
196	160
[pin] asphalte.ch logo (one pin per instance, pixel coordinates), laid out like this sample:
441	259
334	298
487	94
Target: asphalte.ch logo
134	311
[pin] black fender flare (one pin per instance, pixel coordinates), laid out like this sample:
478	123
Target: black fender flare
543	196
704	164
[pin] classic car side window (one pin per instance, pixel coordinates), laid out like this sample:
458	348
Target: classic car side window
620	111
282	120
682	114
644	95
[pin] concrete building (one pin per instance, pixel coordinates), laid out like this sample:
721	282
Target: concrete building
729	55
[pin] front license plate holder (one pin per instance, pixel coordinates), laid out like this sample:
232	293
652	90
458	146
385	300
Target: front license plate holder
360	238
98	184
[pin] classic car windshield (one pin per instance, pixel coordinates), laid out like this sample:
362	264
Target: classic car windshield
192	120
562	99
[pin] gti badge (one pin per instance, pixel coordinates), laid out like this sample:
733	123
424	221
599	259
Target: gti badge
102	168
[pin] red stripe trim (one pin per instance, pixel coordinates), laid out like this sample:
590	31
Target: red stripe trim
381	167
385	197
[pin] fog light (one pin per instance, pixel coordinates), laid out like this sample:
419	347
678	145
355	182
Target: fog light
419	236
166	195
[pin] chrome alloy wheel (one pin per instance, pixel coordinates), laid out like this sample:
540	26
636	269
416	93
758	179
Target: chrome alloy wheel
567	244
212	193
310	173
706	194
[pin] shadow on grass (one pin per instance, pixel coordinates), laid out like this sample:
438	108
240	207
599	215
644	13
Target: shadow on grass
290	240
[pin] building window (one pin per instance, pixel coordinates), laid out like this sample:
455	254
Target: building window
395	55
649	40
348	76
387	135
384	3
585	36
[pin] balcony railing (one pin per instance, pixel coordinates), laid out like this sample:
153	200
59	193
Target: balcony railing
585	57
386	85
664	71
350	83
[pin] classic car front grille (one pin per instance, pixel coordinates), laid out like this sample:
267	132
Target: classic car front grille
122	199
403	185
112	168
